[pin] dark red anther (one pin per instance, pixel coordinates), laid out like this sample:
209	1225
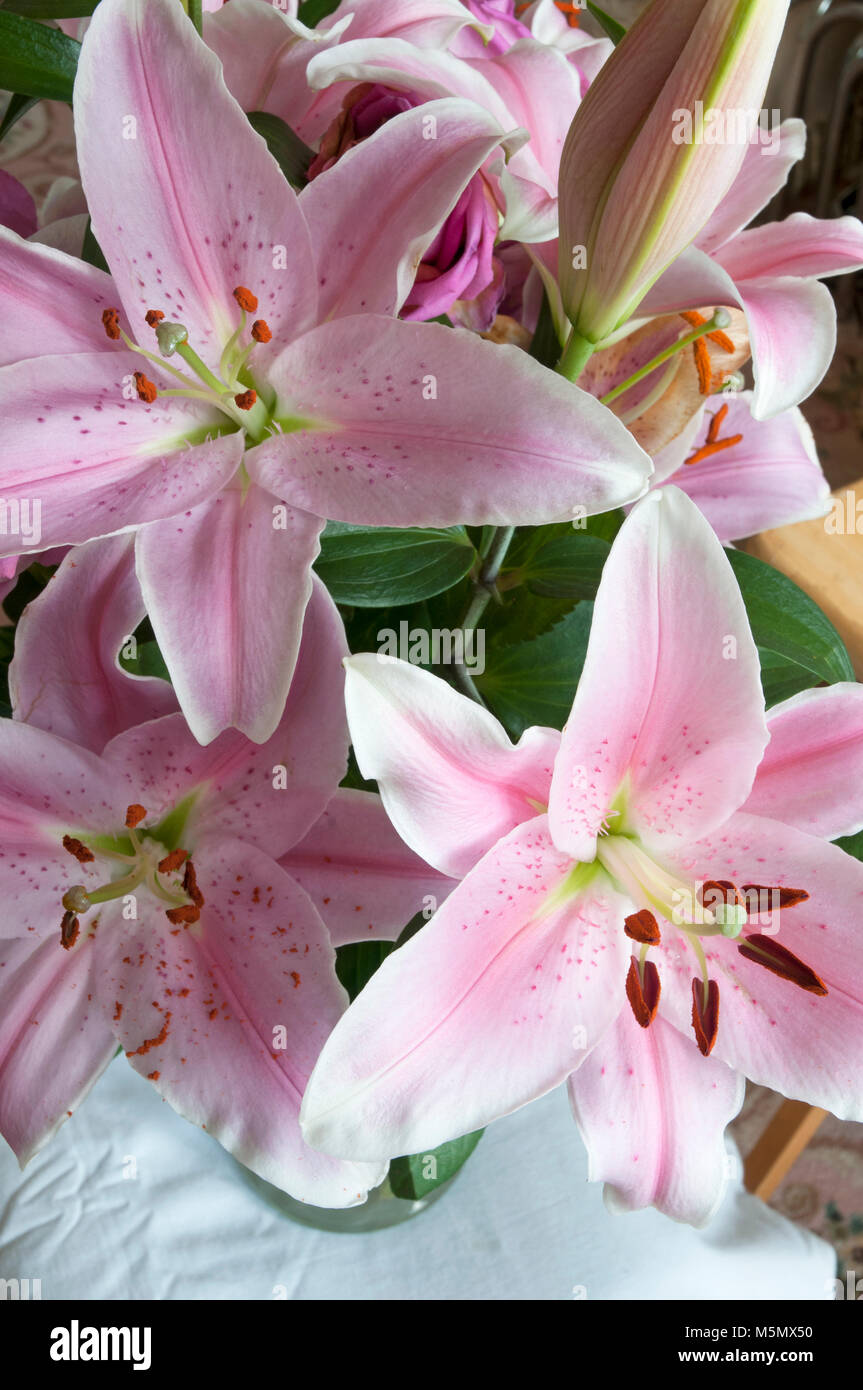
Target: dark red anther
172	861
261	331
705	1017
111	323
68	931
134	815
145	387
716	891
77	850
766	951
190	885
246	399
183	916
154	317
787	897
642	926
643	991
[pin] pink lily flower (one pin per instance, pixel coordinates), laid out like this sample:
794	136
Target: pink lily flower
217	980
327	406
746	475
635	187
771	272
603	925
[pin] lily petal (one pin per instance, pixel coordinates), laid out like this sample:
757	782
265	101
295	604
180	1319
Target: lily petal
183	212
54	1041
450	779
669	709
98	463
52	303
65	676
488	1007
652	1113
792	326
268	794
226	586
227	1019
812	772
763	173
397	424
362	878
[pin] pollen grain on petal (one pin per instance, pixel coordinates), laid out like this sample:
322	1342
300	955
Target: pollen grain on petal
246	299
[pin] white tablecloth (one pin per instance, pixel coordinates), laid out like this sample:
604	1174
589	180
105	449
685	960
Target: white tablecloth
520	1222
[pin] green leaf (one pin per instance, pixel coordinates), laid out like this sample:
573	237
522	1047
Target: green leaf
614	30
148	662
91	251
36	59
565	564
311	12
374	567
291	154
408	1175
789	629
535	682
357	962
544	346
852	844
50	9
19	105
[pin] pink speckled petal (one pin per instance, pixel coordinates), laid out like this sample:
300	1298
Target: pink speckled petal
185	205
806	1046
52	303
451	779
48	788
54	1041
771	478
65	676
811	775
368	249
227	1017
226	585
417	424
491	1005
652	1112
669	707
236	785
800	246
361	877
95	461
781	315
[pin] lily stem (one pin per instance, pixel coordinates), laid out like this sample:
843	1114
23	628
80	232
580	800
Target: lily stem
485	586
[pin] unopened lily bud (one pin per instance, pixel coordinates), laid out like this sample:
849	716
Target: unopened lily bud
655	146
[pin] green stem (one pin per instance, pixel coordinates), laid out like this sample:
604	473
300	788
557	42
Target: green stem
484	588
195	13
575	356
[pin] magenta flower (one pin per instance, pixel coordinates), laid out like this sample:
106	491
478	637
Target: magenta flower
152	887
298	397
614	921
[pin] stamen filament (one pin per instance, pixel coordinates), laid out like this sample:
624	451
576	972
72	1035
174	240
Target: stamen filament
720	320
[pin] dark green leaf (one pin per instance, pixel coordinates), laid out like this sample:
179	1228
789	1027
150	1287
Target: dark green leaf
311	12
291	154
91	251
417	1175
780	679
148	662
614	30
50	9
36	59
356	963
545	347
19	105
566	564
534	682
852	844
788	625
374	567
